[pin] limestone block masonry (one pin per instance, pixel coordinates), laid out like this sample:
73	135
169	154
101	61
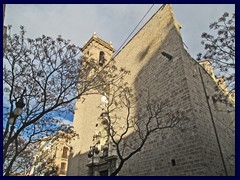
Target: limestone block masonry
206	147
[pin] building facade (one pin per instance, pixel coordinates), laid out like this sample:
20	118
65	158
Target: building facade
161	66
51	157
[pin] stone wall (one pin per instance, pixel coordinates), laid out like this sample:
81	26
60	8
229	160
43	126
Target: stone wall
165	80
215	121
193	150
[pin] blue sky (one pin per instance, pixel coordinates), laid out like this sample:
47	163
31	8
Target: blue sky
112	23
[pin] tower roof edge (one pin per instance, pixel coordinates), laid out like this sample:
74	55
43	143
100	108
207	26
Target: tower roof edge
100	41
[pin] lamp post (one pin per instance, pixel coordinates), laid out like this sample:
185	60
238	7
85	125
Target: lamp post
11	121
93	150
17	111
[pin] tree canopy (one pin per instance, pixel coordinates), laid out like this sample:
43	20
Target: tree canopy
49	75
220	48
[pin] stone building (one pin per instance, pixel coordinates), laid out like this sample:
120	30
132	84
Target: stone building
158	63
51	157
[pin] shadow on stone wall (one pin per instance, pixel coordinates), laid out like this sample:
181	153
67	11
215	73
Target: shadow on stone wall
164	79
175	152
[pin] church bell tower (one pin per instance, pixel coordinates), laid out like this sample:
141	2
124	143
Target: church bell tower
87	113
98	49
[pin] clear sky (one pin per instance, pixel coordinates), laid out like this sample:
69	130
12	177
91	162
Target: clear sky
112	23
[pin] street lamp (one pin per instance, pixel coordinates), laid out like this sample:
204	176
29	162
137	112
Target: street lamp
93	150
18	110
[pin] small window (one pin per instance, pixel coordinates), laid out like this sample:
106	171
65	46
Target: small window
63	168
65	152
101	58
173	162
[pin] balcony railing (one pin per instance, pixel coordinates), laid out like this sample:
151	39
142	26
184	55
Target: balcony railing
62	171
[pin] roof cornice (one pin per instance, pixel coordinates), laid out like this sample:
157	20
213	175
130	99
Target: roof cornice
100	41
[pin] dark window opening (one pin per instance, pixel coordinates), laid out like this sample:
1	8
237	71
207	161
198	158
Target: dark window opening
65	152
173	162
63	168
101	58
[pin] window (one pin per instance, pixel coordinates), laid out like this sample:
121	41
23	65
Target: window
63	168
65	152
101	58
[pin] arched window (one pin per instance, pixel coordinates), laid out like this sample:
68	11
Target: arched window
101	58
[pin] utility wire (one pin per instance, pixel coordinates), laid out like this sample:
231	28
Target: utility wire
132	31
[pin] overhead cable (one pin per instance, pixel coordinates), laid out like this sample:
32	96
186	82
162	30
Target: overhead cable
133	31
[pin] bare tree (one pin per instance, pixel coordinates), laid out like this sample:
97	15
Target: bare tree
45	164
128	127
220	49
23	163
54	75
48	152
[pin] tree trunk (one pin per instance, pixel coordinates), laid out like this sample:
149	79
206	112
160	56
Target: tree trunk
7	173
118	168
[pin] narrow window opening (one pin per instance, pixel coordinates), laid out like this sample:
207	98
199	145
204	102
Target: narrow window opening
63	168
173	162
101	58
65	152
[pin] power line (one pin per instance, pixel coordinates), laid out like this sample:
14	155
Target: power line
133	30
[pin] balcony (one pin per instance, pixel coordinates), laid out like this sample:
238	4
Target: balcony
62	172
